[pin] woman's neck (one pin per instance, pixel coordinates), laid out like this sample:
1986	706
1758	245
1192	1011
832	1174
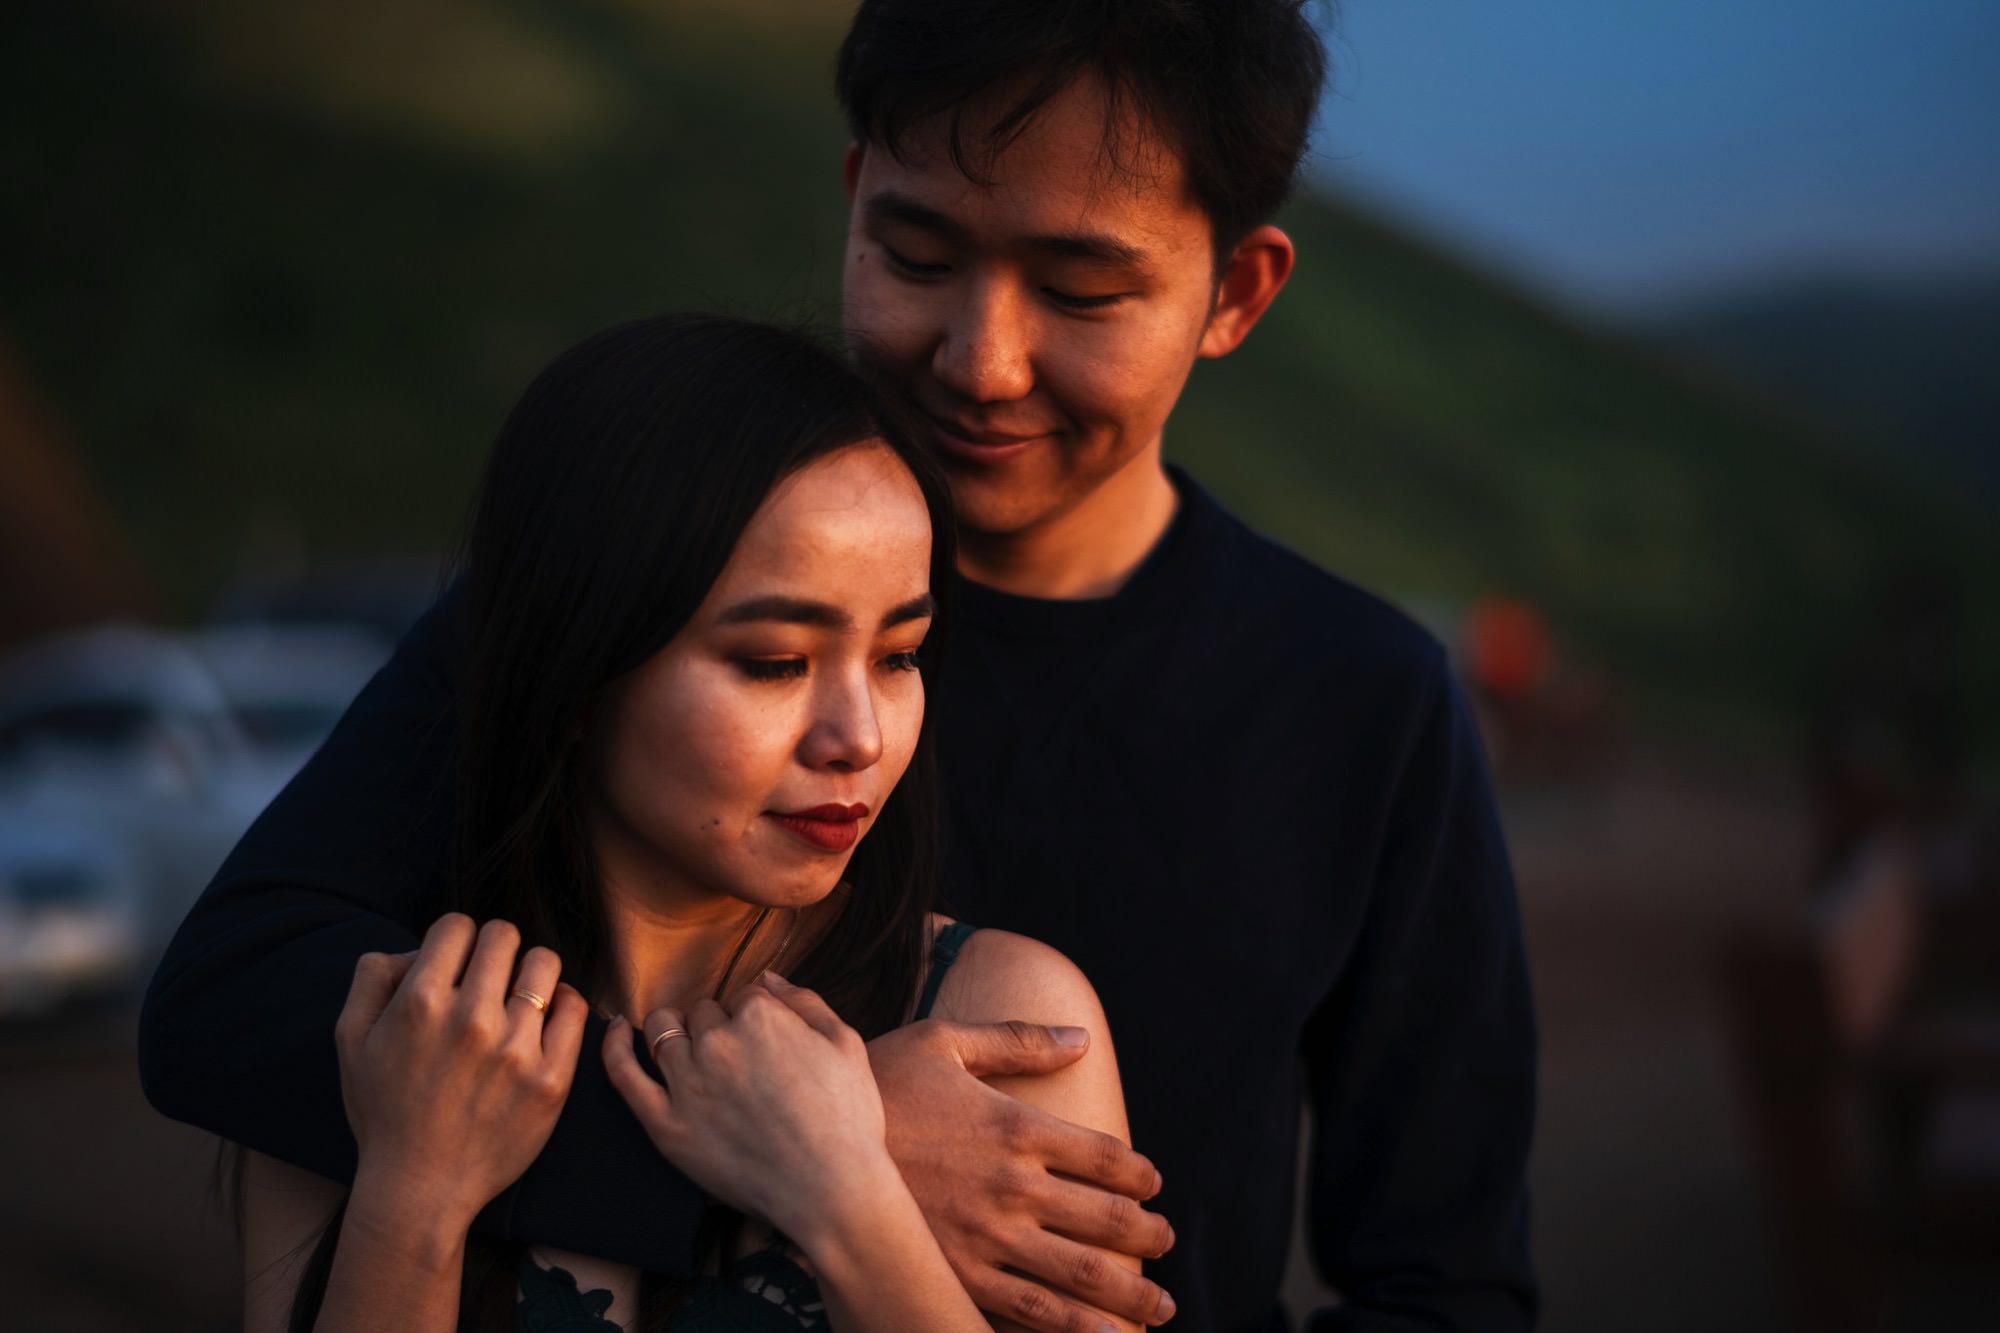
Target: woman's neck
675	954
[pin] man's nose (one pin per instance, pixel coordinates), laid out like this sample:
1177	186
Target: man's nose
845	734
985	354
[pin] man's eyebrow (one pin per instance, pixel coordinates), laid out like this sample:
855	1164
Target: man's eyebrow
1094	247
819	615
895	206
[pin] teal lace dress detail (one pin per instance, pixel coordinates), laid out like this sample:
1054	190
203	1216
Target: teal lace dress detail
762	1292
550	1303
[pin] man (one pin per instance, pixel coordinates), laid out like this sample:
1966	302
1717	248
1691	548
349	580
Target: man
1240	793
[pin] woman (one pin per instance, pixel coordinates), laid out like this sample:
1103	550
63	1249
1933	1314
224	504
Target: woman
698	602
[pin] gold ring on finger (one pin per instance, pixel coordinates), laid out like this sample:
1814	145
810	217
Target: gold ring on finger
662	1038
540	1002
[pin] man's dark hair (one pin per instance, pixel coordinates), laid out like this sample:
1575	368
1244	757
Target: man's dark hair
1230	84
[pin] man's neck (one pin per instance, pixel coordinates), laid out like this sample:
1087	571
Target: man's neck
1087	551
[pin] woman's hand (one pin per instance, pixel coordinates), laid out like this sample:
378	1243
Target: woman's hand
451	1077
769	1105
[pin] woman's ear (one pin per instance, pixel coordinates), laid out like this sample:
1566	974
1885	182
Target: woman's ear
1252	276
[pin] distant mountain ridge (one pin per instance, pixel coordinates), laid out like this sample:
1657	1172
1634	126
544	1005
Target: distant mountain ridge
1911	368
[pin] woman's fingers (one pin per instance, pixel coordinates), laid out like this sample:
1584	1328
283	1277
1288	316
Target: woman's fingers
376	976
446	945
648	1100
704	1018
669	1041
484	987
562	1035
533	992
808	1005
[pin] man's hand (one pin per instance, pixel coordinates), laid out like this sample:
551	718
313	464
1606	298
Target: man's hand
1007	1186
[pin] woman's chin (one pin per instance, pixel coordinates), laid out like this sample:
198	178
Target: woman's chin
794	893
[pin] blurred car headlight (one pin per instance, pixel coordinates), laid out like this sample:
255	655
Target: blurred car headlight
66	930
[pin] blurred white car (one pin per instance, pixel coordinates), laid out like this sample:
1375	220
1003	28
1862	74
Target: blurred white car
286	685
130	763
72	915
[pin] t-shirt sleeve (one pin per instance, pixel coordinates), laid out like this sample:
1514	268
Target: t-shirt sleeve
236	1032
1421	1064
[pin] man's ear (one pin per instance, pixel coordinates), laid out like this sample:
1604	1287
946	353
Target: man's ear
1252	277
850	170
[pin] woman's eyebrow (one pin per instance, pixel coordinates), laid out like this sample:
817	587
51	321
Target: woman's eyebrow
917	608
819	615
790	610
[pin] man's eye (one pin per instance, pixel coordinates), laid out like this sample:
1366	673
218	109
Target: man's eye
902	662
913	267
1071	301
767	668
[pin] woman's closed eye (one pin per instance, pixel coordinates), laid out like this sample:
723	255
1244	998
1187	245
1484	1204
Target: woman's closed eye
794	668
772	668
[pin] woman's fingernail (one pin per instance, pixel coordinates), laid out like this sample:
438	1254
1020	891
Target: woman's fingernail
1166	1310
774	979
1068	1036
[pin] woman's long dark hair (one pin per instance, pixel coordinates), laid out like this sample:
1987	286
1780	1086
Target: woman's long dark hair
616	491
615	494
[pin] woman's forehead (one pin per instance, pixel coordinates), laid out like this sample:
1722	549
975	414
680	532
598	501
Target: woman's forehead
855	521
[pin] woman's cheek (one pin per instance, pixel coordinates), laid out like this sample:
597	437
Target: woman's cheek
907	719
737	745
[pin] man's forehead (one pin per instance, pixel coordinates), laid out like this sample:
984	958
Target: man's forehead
1084	140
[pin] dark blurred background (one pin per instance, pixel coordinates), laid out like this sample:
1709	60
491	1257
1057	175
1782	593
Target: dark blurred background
1646	353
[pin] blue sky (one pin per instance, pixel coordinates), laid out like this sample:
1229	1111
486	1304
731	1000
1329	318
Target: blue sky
1625	155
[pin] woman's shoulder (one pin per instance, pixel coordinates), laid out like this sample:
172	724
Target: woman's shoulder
998	975
1001	977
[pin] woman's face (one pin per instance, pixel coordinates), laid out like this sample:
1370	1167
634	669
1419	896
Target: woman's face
747	757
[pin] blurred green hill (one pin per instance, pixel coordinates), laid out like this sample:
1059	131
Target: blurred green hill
282	268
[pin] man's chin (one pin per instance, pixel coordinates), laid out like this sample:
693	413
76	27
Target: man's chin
987	511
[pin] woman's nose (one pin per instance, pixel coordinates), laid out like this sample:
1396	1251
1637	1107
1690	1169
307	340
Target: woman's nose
984	355
845	734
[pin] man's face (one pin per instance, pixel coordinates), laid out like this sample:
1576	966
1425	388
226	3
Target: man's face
1041	323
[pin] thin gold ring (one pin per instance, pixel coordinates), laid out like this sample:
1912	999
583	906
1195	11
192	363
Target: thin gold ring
540	1002
661	1039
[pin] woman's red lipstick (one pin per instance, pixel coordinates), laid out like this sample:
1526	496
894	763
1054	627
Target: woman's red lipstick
830	828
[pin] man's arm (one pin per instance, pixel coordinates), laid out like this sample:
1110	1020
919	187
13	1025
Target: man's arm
236	1035
1002	976
1010	1190
1421	1065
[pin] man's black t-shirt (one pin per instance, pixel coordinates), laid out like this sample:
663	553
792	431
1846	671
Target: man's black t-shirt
1241	794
